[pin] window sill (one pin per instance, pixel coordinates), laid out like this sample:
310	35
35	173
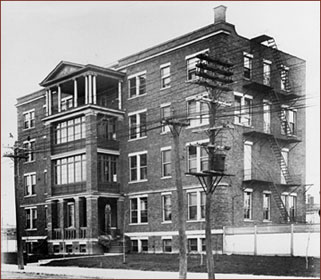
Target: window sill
140	181
138	224
195	221
248	220
166	222
30	229
136	96
24	129
31	195
165	132
135	139
267	221
166	177
164	88
32	161
196	126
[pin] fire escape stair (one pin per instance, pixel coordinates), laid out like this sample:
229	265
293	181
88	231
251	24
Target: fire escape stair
278	200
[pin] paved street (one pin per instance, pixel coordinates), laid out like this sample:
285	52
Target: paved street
29	275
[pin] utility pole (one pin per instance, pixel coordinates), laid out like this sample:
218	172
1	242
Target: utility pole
18	154
214	76
176	127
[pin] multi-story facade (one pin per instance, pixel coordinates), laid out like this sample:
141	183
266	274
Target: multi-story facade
100	161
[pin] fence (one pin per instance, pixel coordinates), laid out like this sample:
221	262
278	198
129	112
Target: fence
281	240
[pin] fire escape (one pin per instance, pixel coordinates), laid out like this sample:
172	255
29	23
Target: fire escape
278	97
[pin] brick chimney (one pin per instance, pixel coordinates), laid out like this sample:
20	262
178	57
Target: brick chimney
219	14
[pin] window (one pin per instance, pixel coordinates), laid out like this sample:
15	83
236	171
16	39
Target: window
29	184
247	204
266	72
29	119
243	109
197	157
167	245
248	160
144	245
137	84
285	83
31	218
67	103
70	130
196	205
138	210
247	65
167	207
290	203
197	112
166	162
71	214
289	121
266	206
191	62
137	125
165	114
107	128
135	246
107	168
70	170
165	76
192	245
138	167
82	248
29	148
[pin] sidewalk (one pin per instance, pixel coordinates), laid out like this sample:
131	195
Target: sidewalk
128	274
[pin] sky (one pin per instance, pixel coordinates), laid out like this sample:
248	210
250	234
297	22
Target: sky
36	36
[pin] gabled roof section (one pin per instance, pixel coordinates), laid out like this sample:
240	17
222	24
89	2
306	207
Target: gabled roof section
62	69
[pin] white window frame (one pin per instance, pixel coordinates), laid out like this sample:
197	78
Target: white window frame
282	84
167	239
287	110
166	149
267	75
139	198
246	191
165	128
29	187
65	104
29	120
188	66
199	119
247	160
138	167
241	114
69	212
265	194
198	205
136	76
285	196
33	211
165	76
163	207
30	153
138	124
250	57
198	154
139	244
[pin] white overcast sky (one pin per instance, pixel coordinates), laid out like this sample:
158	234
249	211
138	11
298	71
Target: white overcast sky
36	36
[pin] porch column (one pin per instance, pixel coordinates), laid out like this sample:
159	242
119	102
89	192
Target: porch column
59	99
121	220
90	89
94	89
86	89
62	216
75	93
119	94
92	216
49	102
77	216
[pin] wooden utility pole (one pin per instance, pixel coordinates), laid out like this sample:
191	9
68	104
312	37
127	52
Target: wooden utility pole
176	127
17	155
214	76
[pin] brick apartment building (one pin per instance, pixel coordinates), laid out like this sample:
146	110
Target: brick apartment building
100	163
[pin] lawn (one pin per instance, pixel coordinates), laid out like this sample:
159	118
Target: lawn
258	265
